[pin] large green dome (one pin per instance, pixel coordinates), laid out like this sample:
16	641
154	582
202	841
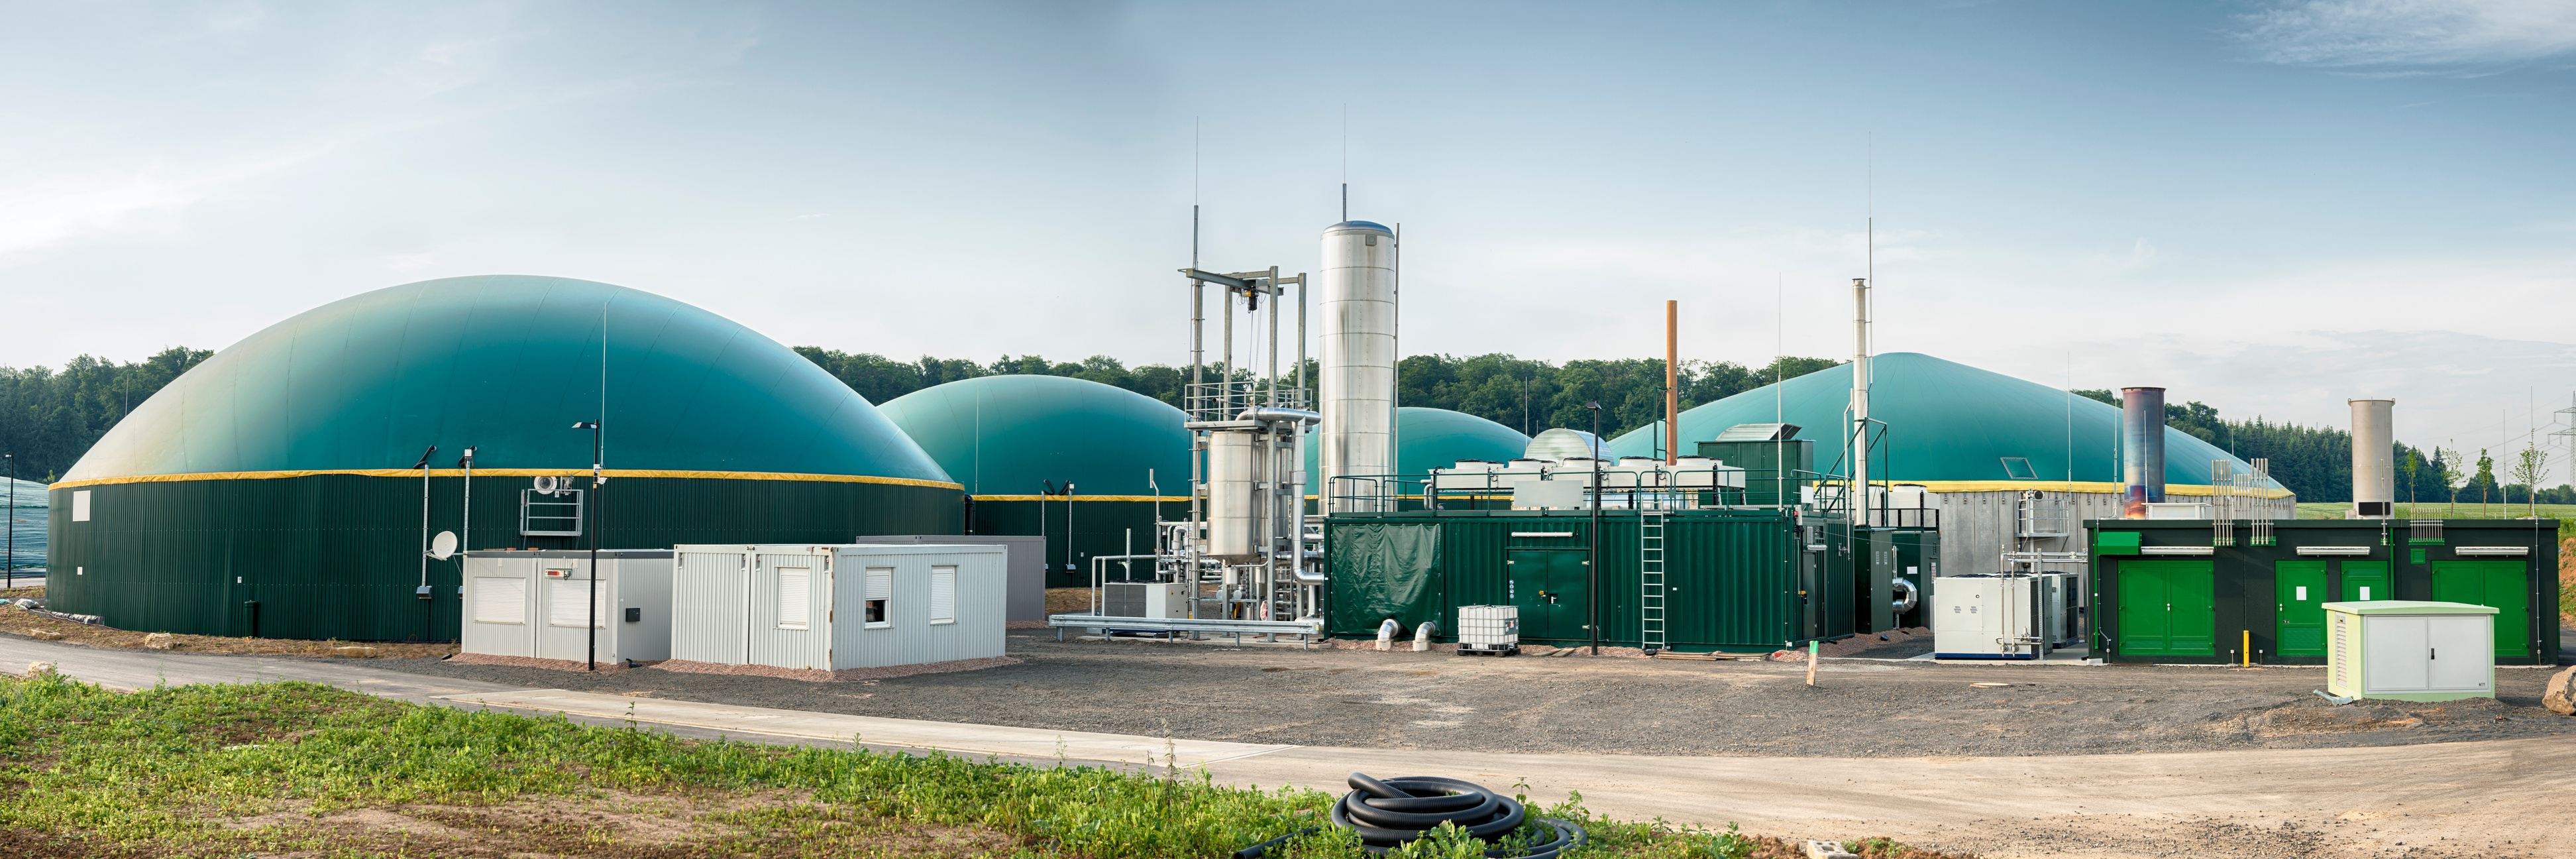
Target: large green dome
1947	423
505	364
1020	434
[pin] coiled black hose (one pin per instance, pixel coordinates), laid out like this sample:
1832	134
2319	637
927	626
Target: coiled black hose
1392	812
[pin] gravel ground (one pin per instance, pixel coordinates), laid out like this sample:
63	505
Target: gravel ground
1402	699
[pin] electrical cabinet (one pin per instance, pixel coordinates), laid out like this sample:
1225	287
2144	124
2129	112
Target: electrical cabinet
2410	651
1147	599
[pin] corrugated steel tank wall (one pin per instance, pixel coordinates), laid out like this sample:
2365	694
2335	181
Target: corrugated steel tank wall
1731	579
338	556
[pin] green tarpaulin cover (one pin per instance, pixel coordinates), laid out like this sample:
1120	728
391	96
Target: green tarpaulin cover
1383	571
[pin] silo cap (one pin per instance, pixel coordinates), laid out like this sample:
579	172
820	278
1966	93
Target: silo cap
1360	225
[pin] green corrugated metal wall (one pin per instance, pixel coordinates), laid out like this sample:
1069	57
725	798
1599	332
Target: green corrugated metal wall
1730	575
337	556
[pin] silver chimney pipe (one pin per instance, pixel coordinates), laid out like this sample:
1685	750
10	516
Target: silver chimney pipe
1858	495
2374	466
2142	449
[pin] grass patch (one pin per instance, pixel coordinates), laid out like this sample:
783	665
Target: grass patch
229	770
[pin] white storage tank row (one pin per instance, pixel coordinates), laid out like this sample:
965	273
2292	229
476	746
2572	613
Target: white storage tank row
827	607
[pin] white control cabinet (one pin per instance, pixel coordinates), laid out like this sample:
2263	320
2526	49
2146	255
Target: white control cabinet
2410	651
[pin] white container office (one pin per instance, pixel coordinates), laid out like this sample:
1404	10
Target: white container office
2410	651
832	607
1027	563
541	604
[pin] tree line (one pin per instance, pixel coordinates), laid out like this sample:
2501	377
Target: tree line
2316	462
49	418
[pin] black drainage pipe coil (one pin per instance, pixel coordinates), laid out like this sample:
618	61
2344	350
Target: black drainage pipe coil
1394	811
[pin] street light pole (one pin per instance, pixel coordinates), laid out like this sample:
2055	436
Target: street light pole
1593	563
591	508
13	518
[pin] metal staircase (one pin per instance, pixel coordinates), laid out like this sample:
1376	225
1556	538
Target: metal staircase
1650	575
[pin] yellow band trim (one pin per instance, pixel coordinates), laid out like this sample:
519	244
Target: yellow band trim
509	472
1176	498
2060	486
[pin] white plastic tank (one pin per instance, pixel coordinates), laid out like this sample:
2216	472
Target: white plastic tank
2374	469
1356	364
1235	506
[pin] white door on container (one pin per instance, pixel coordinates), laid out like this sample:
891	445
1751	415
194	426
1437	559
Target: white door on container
2393	654
2457	648
712	598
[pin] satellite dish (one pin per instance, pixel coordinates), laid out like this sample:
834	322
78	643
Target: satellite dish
443	546
549	484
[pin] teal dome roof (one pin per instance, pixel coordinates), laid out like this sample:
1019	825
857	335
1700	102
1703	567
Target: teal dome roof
1428	438
505	364
1014	435
1946	422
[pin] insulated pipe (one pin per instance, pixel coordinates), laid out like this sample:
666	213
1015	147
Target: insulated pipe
2374	469
1264	413
2142	449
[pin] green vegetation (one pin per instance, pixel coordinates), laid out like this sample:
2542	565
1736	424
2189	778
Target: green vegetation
49	419
293	767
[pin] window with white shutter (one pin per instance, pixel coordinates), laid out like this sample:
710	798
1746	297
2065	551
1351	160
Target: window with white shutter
943	595
880	597
498	600
795	597
565	606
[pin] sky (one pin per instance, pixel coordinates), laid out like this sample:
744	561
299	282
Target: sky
2270	207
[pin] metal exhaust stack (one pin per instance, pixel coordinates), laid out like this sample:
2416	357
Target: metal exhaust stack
1356	365
2374	467
2142	449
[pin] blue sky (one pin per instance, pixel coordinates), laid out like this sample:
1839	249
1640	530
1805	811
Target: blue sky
2270	207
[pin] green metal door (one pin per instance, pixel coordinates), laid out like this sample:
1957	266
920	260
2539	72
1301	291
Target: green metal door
2299	594
2496	584
1548	586
2167	609
2366	580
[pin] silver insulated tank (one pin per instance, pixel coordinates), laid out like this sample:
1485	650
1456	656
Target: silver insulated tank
1356	388
2374	469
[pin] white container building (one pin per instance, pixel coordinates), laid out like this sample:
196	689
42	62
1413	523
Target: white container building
539	604
1027	564
832	607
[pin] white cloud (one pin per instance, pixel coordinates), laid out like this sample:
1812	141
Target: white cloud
2412	32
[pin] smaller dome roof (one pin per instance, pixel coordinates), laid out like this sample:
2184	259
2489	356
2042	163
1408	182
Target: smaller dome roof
1019	434
1359	225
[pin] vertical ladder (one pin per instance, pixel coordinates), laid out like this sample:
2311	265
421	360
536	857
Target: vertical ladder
1650	576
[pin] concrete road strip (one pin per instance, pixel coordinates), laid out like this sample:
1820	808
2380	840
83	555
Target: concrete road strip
944	736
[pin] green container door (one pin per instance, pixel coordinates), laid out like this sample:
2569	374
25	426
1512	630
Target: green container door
2166	609
2300	598
2499	585
2364	581
1549	585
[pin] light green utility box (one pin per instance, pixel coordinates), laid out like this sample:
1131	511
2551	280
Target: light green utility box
2410	651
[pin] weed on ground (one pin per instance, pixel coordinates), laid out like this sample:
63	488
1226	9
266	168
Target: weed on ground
302	769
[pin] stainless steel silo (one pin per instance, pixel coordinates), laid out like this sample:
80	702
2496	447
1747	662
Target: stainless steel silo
2374	467
1356	391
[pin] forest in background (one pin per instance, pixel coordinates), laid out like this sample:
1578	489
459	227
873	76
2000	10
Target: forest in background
49	417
